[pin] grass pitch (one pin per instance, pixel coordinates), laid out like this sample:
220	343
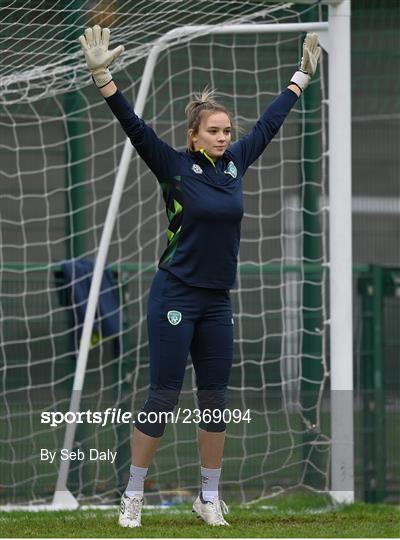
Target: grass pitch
295	516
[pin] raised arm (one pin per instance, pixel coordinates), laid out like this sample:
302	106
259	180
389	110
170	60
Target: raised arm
157	154
251	146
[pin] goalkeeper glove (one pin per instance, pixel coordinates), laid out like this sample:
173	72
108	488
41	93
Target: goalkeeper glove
95	48
309	62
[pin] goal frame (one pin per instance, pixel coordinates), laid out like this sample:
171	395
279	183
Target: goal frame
334	36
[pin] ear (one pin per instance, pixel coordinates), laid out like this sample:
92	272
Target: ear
192	135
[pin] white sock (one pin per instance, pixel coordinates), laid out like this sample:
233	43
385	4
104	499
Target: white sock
136	481
209	483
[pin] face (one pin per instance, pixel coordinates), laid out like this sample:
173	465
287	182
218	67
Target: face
214	134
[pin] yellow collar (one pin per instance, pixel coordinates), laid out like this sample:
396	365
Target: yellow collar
210	159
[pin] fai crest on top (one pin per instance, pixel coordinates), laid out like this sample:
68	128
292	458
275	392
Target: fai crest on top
231	169
174	317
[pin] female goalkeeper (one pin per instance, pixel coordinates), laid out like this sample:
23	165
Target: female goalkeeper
189	307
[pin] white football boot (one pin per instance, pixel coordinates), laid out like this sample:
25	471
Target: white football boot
211	511
130	511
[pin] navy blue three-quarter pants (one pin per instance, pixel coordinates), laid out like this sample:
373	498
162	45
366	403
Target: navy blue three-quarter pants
182	319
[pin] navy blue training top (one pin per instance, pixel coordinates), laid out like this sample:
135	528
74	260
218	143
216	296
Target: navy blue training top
204	202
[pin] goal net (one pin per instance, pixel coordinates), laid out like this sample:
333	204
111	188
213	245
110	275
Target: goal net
60	152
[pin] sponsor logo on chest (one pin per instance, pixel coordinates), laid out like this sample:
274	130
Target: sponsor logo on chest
197	169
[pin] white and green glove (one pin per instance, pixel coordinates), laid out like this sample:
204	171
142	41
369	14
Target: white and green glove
309	62
95	48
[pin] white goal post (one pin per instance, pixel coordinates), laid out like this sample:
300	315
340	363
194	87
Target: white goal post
335	39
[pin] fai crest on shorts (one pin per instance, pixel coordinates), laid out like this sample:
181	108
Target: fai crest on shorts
174	317
231	169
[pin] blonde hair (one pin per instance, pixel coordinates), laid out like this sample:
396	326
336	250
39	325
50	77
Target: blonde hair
202	102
